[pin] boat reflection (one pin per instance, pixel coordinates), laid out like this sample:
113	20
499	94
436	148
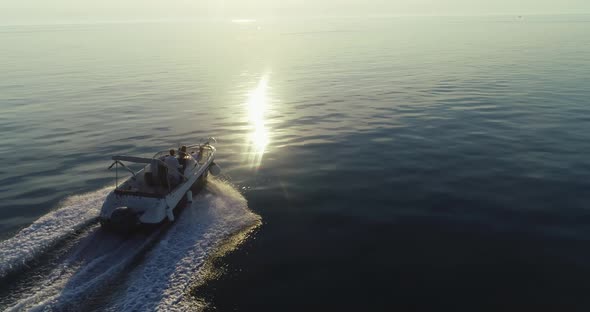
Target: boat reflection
258	137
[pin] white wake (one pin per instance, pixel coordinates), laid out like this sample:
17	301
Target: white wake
161	282
74	213
174	259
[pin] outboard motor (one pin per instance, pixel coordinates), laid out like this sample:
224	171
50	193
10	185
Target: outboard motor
215	169
123	220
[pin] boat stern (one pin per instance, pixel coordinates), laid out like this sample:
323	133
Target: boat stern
126	212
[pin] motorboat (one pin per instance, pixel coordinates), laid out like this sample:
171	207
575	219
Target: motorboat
156	193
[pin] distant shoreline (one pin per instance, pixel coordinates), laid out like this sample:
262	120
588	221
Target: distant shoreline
284	18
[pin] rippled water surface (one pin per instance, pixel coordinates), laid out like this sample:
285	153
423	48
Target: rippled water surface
406	163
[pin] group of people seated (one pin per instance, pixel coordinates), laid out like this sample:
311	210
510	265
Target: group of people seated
180	163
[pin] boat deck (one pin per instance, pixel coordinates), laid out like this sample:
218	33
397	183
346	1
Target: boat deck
160	186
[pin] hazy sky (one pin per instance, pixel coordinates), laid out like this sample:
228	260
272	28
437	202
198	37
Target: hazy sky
25	11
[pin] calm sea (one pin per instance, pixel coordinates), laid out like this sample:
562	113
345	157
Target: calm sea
404	164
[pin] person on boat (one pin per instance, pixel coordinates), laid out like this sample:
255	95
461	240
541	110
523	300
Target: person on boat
182	157
172	163
199	156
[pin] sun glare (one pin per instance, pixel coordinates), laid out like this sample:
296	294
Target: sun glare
258	138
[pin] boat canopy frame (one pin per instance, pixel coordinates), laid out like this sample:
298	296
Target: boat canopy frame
118	160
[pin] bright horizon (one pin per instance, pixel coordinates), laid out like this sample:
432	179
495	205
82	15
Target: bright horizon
38	11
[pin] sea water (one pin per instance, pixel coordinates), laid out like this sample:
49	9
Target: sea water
393	163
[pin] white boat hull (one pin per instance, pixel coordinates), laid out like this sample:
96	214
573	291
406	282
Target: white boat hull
127	209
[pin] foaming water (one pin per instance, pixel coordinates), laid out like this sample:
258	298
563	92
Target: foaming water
169	259
75	213
162	281
94	263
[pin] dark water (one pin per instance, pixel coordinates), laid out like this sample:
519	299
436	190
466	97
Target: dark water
397	164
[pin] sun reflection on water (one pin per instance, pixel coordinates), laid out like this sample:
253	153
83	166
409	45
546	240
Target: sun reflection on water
258	138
